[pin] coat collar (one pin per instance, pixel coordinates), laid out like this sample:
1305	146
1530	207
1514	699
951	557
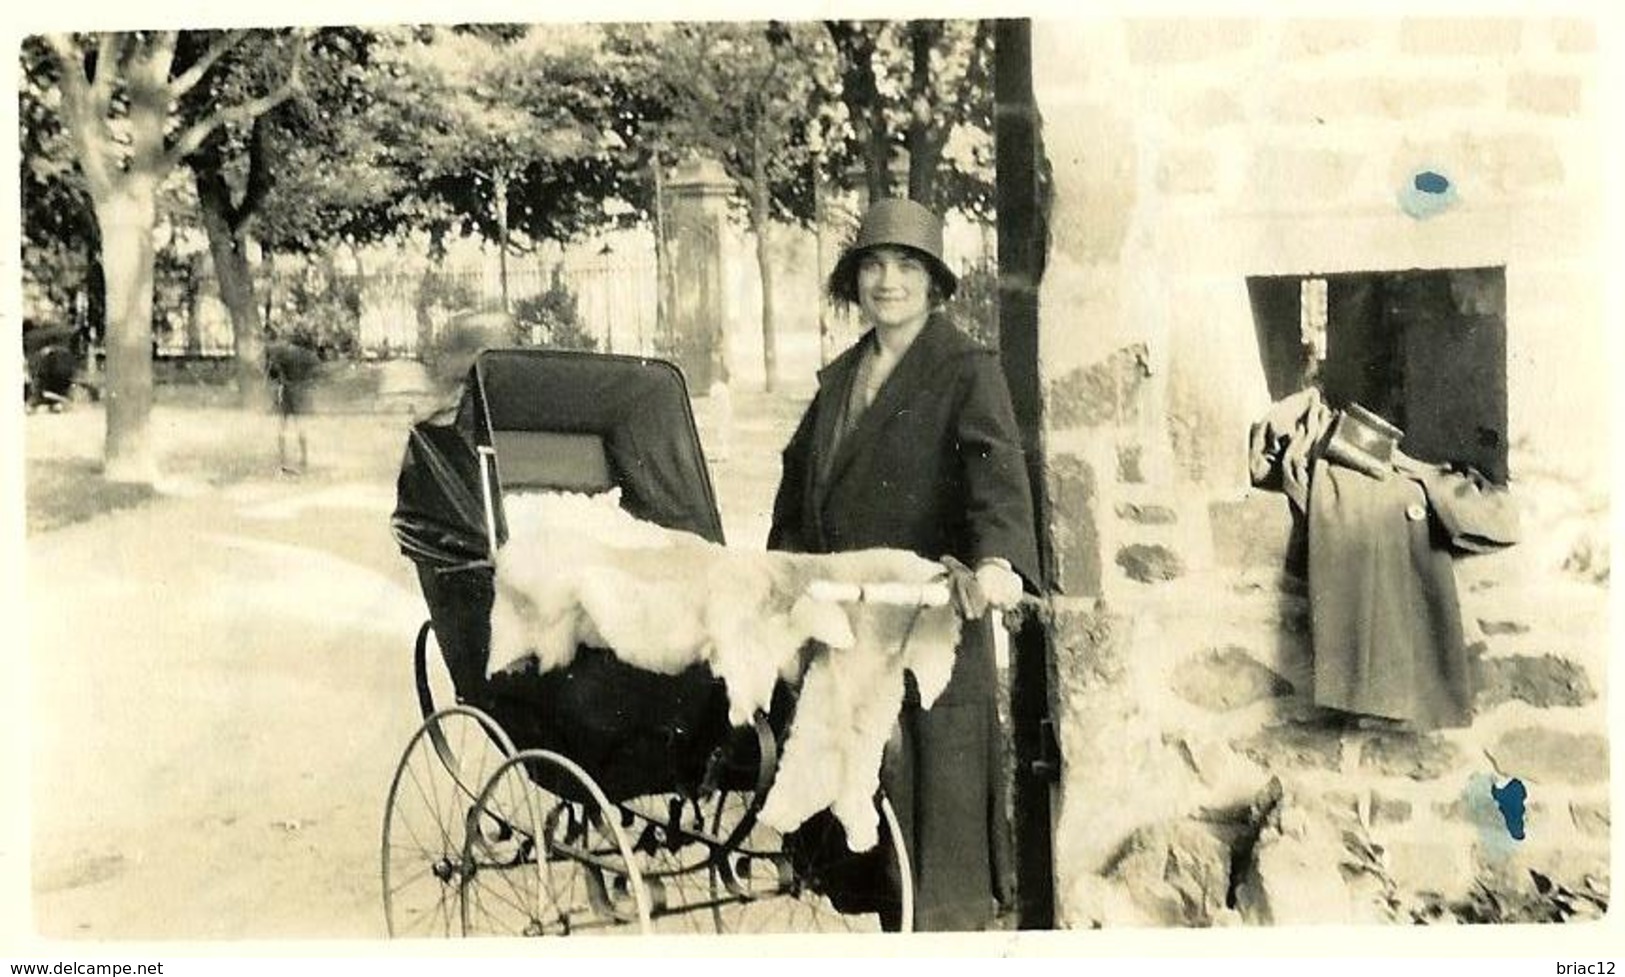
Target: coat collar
936	340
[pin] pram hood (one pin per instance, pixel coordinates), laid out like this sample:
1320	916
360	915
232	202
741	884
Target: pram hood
638	408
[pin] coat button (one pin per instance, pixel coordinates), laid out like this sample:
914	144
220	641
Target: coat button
1416	512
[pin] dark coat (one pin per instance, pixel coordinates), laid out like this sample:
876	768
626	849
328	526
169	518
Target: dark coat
1384	614
934	466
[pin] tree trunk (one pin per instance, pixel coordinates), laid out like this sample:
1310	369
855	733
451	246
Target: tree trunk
229	252
126	221
501	202
925	134
820	222
761	225
663	282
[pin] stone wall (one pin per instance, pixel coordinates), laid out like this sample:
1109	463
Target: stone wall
1199	784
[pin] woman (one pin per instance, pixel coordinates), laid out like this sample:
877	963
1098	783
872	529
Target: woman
911	443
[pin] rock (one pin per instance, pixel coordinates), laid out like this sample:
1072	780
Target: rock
1150	563
1543	681
1224	679
1077	542
1107	391
1492	628
1176	873
1591	819
1294	746
1146	514
1417	756
1309	866
1538	755
1130	464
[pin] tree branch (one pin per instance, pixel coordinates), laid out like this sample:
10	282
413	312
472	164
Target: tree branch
86	130
218	46
192	138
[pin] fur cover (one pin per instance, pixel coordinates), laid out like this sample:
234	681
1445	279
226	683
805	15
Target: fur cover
579	570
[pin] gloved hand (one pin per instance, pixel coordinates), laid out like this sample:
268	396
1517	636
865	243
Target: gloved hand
999	584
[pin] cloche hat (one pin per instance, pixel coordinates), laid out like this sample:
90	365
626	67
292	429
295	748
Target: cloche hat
900	223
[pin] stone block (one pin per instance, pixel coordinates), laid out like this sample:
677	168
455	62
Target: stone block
1225	679
1321	37
1545	94
1493	628
1551	756
1387	810
1090	654
1416	756
1190	170
1543	681
1147	514
1293	746
1100	393
1074	527
1186	39
1294	177
1573	35
1488	37
1591	818
1131	464
1522	161
1301	870
1209	108
1176	873
1255	531
1150	562
1430	861
1364	98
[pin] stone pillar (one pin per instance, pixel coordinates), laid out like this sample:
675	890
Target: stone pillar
697	212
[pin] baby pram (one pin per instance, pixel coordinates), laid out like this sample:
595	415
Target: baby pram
595	797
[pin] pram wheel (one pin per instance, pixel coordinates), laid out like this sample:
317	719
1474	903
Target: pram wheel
835	892
440	774
544	855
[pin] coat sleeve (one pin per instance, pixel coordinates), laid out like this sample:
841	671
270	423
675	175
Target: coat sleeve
1477	516
998	498
787	532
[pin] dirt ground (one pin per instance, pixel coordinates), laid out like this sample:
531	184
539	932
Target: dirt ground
220	676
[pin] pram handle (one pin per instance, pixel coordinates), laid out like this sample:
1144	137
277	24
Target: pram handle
897	594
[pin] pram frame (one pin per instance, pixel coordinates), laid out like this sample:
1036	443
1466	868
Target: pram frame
626	886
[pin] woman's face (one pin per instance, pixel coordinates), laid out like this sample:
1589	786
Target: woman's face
894	286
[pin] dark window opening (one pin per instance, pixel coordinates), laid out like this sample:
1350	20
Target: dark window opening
1426	349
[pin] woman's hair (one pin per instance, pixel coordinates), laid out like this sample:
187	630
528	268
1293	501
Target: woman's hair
843	280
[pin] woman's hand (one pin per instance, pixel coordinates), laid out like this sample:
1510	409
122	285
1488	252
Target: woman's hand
1000	585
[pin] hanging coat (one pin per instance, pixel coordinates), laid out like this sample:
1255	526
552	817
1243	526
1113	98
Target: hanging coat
933	465
1385	618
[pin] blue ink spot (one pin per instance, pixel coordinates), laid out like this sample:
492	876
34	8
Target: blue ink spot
1510	800
1427	193
1428	181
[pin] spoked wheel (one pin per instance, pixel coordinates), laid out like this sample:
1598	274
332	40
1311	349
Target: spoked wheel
445	764
677	847
813	885
544	855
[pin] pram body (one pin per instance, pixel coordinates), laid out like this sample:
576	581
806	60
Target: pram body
596	796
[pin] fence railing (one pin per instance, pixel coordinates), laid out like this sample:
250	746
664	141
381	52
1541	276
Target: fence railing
395	312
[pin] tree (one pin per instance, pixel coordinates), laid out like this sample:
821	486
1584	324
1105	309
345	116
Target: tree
240	167
61	246
920	89
509	139
118	96
744	93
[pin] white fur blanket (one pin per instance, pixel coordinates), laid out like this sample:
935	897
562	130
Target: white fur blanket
579	570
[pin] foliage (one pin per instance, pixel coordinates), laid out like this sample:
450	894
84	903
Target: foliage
919	91
502	132
318	309
975	305
551	318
